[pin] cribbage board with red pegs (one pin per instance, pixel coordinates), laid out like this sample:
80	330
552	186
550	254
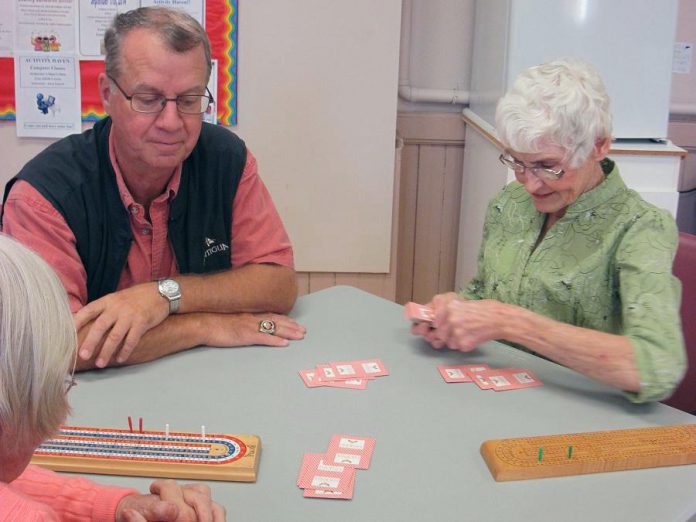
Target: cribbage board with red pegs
176	455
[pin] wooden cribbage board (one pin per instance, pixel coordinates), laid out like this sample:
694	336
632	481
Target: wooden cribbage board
592	452
151	454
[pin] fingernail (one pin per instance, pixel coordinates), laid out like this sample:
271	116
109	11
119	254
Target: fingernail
84	354
100	363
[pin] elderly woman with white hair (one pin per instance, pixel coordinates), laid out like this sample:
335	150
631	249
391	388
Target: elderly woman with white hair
573	266
38	344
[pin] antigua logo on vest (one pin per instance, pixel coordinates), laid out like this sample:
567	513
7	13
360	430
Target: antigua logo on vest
214	247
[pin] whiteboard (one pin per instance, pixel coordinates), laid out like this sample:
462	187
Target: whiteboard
629	41
317	90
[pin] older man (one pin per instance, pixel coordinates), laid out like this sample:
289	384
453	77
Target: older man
151	193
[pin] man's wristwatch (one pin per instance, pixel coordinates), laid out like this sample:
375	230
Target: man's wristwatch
169	289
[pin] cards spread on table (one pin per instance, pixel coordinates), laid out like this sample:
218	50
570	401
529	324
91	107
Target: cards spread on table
462	372
486	378
418	313
344	374
332	474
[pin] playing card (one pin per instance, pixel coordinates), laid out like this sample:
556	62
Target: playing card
504	379
418	313
326	493
310	378
308	460
347	450
325	373
461	372
353	384
372	367
316	474
348	370
481	380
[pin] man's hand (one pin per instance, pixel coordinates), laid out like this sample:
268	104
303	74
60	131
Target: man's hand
225	330
120	320
171	502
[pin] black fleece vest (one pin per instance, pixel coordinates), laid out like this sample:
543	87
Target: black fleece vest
75	175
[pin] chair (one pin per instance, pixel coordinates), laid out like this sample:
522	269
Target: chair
684	398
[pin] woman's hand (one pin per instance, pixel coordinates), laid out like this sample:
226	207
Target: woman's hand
171	502
462	324
427	330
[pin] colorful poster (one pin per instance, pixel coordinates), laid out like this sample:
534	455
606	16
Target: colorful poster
7	23
48	95
47	26
211	114
95	16
221	19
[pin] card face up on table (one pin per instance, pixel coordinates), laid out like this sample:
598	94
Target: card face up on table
344	374
486	378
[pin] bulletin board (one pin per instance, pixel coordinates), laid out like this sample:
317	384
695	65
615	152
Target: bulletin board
221	23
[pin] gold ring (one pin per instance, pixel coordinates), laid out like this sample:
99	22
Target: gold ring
267	326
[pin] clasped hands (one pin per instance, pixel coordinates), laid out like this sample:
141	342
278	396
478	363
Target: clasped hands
171	502
462	324
119	321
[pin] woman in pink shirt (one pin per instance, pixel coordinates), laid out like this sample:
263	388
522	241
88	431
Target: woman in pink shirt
37	351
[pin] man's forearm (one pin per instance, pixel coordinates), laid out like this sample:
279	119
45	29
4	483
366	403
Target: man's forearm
175	334
251	288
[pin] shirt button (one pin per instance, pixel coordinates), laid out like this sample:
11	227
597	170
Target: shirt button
134	210
145	231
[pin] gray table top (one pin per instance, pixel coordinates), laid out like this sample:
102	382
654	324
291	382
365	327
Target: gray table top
426	464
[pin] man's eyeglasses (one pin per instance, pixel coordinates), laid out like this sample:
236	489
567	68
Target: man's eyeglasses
70	381
542	173
150	103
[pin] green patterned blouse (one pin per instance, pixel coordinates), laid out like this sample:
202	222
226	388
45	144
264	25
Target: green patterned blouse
605	265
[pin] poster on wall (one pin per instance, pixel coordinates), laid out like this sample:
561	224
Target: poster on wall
86	22
210	115
7	22
48	99
95	16
196	8
46	26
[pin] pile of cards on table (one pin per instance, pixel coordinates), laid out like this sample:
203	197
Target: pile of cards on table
344	374
487	378
332	474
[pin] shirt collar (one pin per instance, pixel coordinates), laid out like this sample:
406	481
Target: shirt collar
606	190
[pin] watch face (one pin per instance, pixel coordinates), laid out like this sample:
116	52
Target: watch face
169	286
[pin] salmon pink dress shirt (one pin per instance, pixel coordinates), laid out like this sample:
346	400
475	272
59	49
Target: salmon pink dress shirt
258	234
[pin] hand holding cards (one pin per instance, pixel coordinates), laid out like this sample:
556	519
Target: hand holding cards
418	313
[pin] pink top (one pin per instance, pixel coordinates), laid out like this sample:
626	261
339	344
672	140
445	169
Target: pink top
42	495
258	235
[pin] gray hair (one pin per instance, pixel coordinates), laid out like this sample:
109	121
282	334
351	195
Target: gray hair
38	345
178	30
563	102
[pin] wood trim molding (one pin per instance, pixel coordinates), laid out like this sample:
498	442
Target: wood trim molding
442	128
617	148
